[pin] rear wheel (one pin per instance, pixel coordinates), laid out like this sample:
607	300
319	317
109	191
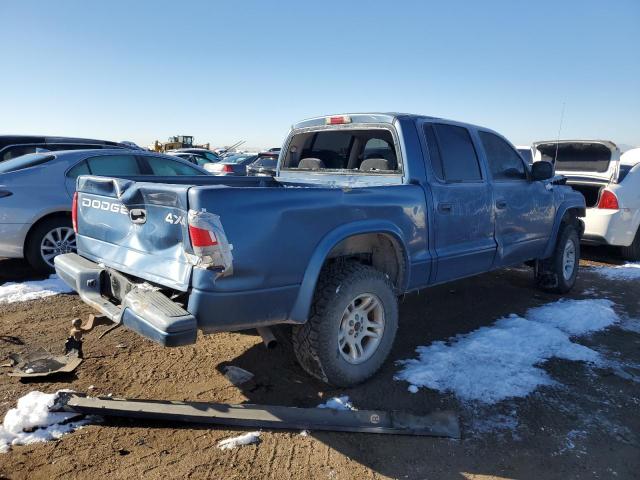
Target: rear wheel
48	239
353	323
558	273
632	252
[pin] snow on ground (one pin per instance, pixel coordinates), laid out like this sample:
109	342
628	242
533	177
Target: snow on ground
234	442
628	271
338	403
500	361
19	292
32	421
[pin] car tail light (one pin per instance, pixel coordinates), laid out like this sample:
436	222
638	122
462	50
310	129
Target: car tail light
210	246
74	212
5	193
338	120
201	237
227	169
608	200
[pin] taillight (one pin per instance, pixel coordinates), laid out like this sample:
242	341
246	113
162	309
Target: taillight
608	200
201	237
210	246
74	212
227	169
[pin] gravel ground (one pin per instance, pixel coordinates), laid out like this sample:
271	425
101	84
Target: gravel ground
588	426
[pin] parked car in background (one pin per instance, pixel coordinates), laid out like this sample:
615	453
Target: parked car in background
36	192
443	200
199	160
526	153
610	184
265	165
201	152
235	164
12	146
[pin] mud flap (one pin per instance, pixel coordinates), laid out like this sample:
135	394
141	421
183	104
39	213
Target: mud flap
437	424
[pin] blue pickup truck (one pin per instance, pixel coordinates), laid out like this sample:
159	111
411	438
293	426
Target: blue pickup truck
363	208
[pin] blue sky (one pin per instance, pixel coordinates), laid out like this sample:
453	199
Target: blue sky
225	71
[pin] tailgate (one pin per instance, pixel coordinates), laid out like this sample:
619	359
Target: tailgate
138	228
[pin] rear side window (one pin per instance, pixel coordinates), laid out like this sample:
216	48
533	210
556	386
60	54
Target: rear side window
18	151
168	168
114	165
343	151
452	153
504	162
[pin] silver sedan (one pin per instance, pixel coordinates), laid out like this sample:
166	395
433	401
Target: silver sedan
36	192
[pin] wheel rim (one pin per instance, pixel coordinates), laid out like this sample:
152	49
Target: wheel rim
56	241
568	259
361	328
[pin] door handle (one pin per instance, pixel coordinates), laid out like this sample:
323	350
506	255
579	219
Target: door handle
501	204
445	207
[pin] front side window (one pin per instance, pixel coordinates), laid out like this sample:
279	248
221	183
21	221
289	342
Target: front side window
504	162
108	165
168	168
452	154
343	151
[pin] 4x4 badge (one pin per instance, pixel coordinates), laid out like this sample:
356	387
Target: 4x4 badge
138	215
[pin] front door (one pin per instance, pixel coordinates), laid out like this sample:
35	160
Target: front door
524	209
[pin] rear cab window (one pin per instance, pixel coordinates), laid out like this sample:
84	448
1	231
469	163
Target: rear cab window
351	151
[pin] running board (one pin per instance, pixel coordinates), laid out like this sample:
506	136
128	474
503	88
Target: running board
437	424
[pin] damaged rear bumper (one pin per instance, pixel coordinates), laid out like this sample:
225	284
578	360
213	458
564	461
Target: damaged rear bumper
148	312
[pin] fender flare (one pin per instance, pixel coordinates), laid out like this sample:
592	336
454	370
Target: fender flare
560	213
300	310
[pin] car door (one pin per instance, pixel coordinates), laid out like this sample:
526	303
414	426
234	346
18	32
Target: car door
463	229
524	209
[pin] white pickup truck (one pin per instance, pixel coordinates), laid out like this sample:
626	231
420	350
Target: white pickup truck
610	183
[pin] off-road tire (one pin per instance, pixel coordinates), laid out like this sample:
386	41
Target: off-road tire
315	342
632	252
550	271
32	247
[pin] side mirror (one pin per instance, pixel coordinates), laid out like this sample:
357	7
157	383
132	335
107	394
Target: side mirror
542	170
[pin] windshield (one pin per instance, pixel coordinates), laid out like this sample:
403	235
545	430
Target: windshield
25	161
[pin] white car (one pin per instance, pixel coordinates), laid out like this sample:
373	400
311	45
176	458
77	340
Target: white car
610	183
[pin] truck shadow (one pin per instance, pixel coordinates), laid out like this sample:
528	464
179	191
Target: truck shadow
433	315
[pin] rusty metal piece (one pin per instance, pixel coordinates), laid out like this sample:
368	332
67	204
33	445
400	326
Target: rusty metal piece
41	363
74	342
78	329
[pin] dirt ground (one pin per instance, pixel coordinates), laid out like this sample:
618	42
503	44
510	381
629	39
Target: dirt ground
586	427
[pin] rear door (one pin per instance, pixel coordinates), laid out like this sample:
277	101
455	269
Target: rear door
463	218
524	209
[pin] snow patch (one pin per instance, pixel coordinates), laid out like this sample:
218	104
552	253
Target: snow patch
20	292
500	361
32	421
338	403
628	271
235	442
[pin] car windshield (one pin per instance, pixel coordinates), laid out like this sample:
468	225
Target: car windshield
25	161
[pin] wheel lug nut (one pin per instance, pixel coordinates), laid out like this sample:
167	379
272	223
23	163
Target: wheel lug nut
351	323
351	332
